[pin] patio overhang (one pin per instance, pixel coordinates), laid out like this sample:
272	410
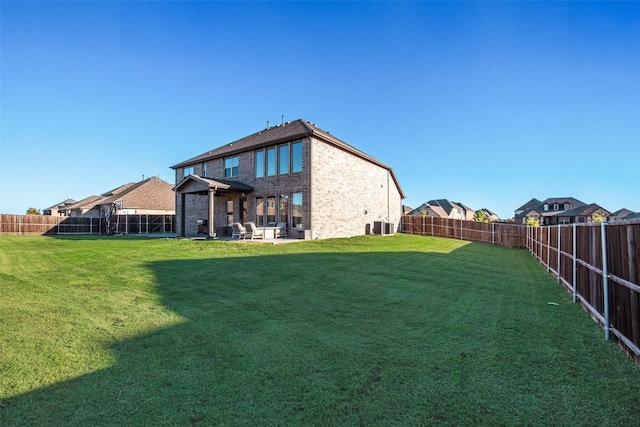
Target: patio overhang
195	184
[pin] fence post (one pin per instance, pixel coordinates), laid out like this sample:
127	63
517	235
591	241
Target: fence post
575	263
548	248
493	233
558	249
605	281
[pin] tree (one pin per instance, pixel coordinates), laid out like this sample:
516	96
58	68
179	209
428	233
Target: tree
33	211
481	216
597	217
532	222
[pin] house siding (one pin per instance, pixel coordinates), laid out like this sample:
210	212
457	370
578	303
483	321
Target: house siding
349	193
343	191
292	182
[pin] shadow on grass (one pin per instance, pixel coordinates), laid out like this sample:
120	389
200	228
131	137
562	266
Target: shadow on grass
387	338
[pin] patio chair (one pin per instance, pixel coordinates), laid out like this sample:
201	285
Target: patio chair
281	230
238	230
254	232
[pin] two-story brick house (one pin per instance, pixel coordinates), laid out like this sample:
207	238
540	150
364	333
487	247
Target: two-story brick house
294	173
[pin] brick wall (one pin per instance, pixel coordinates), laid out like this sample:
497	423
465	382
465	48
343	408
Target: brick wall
349	194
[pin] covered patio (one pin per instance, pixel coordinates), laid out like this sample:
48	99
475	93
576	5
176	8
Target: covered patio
211	188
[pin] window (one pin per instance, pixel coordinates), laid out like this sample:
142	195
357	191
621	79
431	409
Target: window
271	210
556	206
260	211
259	164
230	167
283	208
187	171
204	170
271	161
566	206
296	157
283	157
280	160
546	207
229	212
296	210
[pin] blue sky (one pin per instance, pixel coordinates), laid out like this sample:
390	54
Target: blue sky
487	104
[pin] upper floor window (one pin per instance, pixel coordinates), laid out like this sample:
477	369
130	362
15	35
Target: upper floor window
546	207
271	161
279	160
283	155
230	167
187	171
296	157
556	207
259	163
566	206
204	169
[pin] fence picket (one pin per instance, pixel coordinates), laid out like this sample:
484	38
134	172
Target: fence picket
604	263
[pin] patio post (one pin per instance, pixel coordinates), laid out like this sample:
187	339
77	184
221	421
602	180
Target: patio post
210	225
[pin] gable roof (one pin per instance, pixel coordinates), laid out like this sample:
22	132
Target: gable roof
445	204
86	203
151	193
197	183
561	200
538	206
289	131
529	205
581	210
436	208
621	213
62	205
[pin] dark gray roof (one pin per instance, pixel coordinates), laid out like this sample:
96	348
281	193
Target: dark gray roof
581	210
221	184
529	205
289	131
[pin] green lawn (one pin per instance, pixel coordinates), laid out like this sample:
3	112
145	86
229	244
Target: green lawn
372	331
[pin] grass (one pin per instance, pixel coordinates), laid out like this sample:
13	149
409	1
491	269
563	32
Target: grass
402	330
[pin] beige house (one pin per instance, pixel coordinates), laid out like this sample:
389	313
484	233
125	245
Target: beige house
443	208
294	173
151	196
59	209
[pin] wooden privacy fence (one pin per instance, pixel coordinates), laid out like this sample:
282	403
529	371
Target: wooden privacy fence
496	233
58	225
600	265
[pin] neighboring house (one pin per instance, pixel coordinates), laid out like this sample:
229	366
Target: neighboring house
558	210
443	208
294	173
84	207
581	214
59	209
467	212
151	196
491	215
621	214
546	211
